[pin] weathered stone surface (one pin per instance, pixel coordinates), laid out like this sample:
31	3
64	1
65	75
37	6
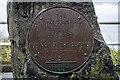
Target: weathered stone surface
20	17
6	68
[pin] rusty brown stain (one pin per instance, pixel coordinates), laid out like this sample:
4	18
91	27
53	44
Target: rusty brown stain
60	40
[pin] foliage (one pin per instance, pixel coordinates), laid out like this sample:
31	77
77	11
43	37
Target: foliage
5	52
115	56
116	59
5	55
7	40
118	69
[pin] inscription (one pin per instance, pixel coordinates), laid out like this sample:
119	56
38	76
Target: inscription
63	44
60	40
61	62
60	23
62	47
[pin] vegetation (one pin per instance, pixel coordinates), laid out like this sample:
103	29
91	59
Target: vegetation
116	59
5	52
115	56
5	55
5	40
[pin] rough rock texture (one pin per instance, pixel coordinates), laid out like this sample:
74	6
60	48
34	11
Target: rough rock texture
20	17
6	68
